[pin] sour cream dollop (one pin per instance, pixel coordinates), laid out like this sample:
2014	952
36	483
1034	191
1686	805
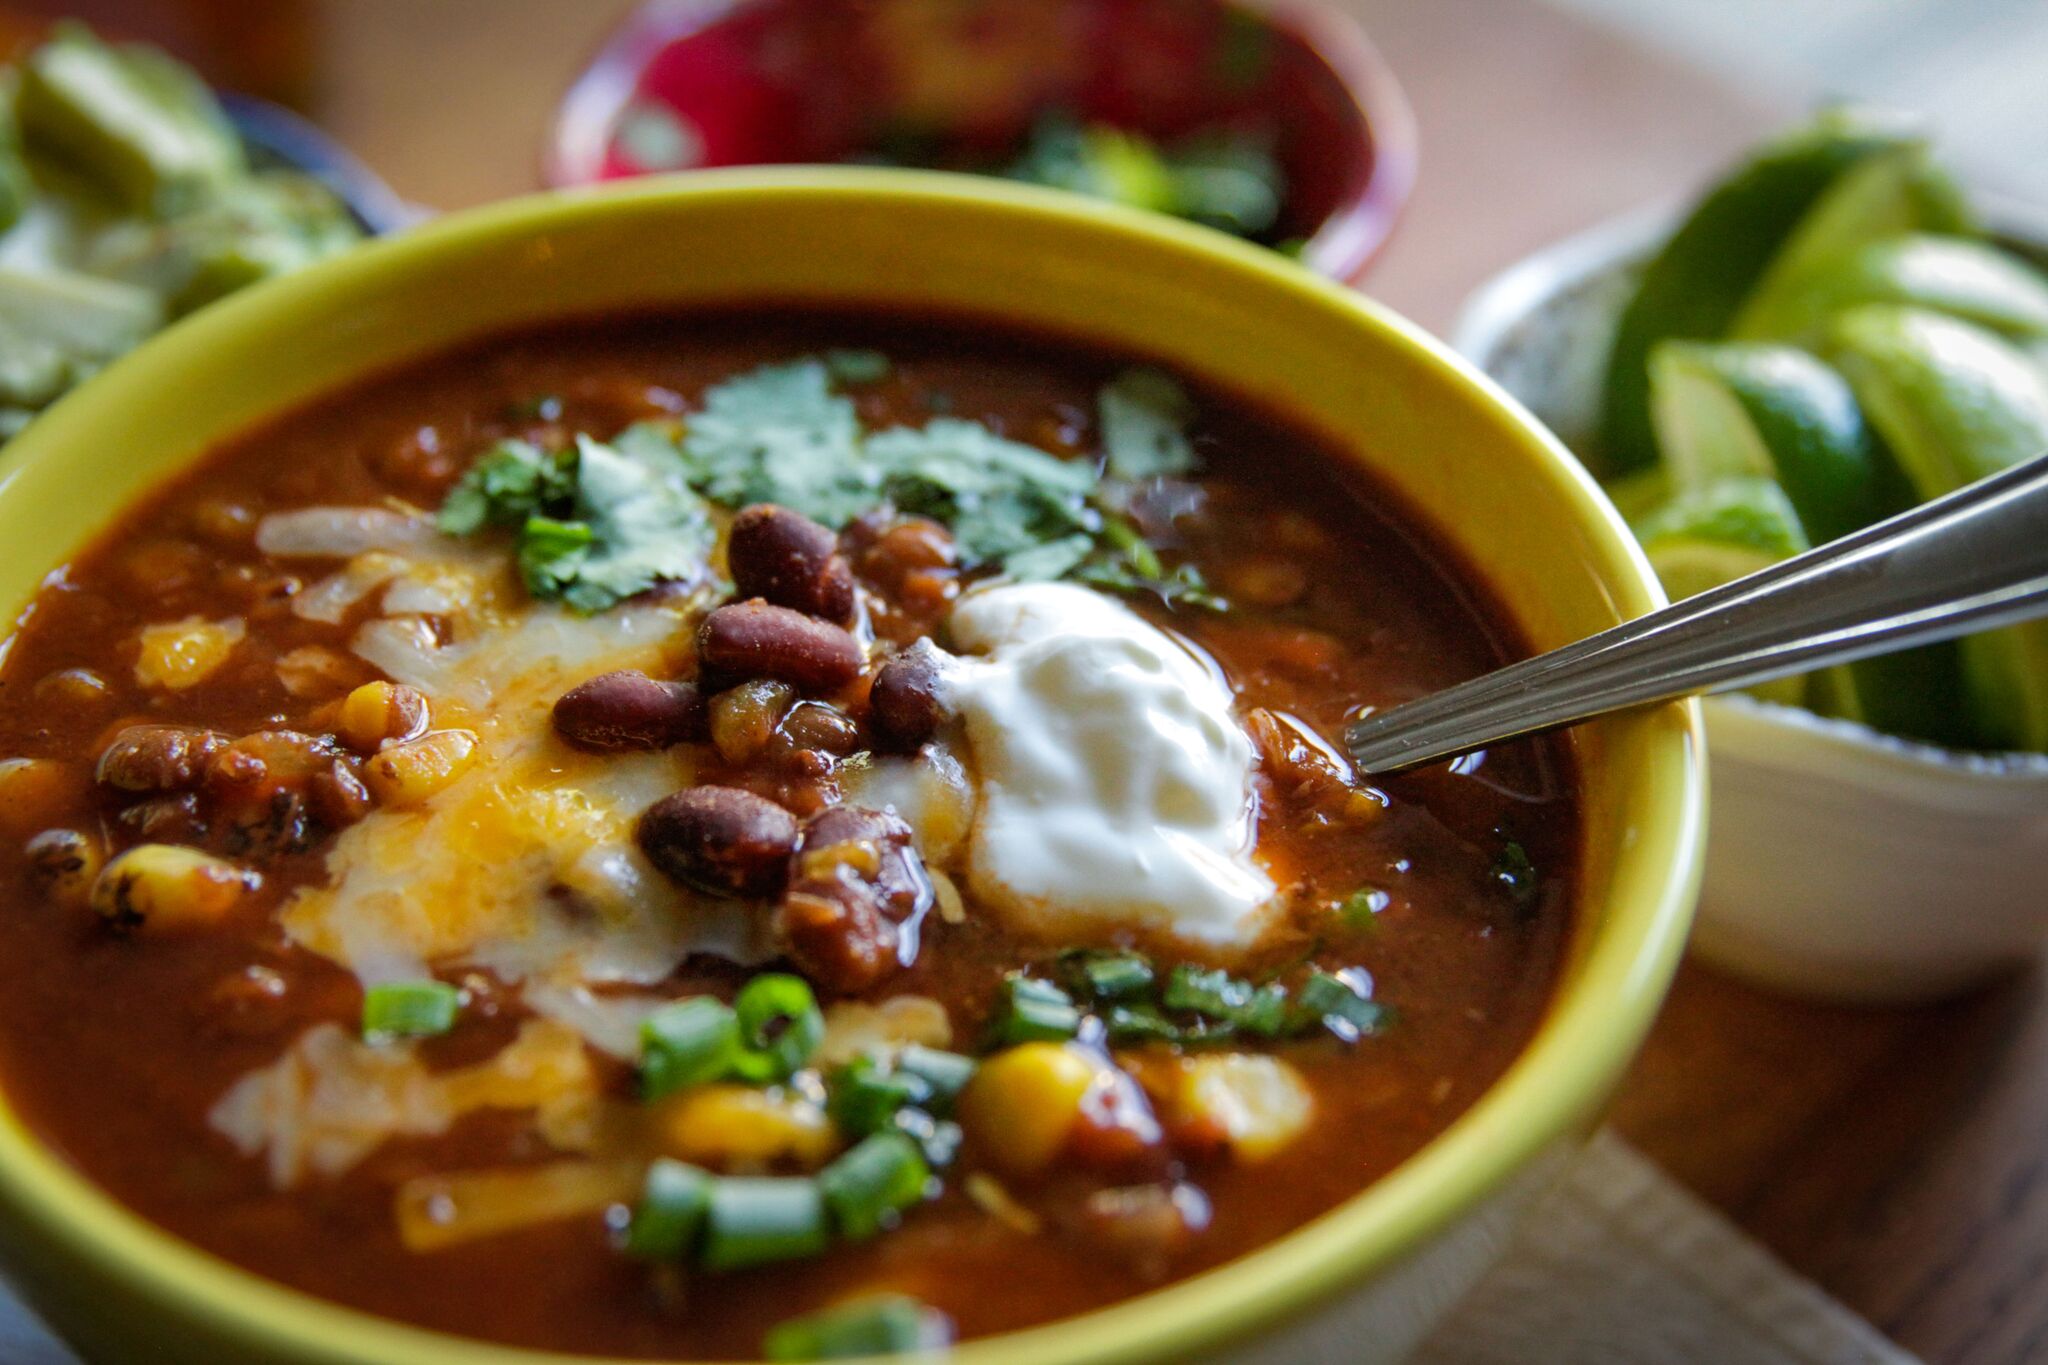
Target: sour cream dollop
1115	781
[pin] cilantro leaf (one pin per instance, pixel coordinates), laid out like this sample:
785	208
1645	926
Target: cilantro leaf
1144	415
510	482
780	434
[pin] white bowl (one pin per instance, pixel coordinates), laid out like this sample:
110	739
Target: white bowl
1842	863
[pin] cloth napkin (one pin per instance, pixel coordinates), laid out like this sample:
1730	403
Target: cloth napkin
1616	1266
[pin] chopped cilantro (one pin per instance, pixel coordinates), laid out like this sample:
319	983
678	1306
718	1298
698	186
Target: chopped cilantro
606	520
510	482
1225	177
596	524
1144	416
1361	909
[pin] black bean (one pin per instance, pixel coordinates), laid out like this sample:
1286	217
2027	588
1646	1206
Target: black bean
629	710
721	840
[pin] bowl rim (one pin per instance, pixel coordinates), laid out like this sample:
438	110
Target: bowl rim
1502	302
1586	1038
1343	245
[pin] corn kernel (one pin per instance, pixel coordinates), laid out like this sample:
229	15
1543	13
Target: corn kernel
181	654
411	773
163	887
1023	1103
1253	1103
380	713
738	1127
63	864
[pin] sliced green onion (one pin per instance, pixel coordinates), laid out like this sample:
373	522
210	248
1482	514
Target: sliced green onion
1338	1004
410	1009
780	1027
943	1074
751	1220
873	1181
1029	1010
671	1209
691	1042
883	1325
1139	1023
1230	1001
863	1098
1108	976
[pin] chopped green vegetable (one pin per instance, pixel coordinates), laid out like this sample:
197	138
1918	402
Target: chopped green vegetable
1144	414
780	1026
944	1074
939	1139
1515	873
1107	976
872	1182
1339	1004
863	1097
596	524
1225	177
671	1210
883	1325
1361	909
410	1009
753	1220
1218	996
780	434
690	1042
1029	1010
1140	1023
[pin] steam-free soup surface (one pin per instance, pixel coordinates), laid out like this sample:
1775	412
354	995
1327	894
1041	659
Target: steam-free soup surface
207	1063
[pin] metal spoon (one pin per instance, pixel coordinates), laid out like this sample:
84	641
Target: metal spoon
1970	561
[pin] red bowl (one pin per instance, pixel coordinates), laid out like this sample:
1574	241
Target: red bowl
687	84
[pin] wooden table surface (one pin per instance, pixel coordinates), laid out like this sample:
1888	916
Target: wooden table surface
1900	1158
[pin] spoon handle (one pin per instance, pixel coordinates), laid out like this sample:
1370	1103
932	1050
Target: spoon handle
1973	560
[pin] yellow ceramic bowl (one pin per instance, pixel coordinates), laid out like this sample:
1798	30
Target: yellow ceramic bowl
1395	400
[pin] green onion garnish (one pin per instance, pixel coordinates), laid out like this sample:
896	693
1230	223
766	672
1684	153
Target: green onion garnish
690	1042
1140	1023
671	1209
410	1009
943	1074
1338	1004
938	1139
882	1325
751	1220
1106	977
1225	999
780	1027
872	1182
1029	1010
863	1098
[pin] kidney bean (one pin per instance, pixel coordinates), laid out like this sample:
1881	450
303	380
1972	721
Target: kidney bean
786	558
760	640
158	758
721	840
903	704
857	896
629	710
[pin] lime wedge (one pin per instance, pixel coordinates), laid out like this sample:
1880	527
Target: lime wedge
1955	403
1637	495
1708	536
1777	413
1886	195
1699	281
1971	280
1744	411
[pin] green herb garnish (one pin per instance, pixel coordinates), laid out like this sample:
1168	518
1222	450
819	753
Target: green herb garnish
1227	178
410	1009
885	1324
